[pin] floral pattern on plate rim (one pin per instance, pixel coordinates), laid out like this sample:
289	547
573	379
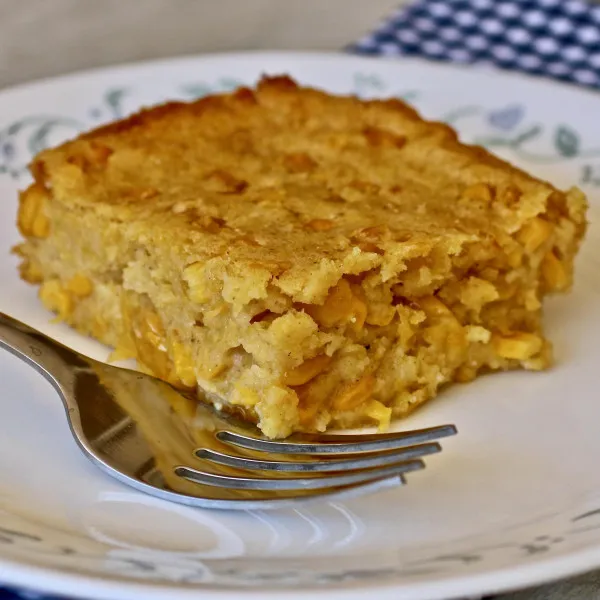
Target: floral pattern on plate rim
77	554
506	127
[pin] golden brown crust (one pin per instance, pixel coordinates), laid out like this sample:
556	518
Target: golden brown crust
253	163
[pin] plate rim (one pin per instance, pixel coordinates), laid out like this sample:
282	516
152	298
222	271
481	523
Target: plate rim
541	571
457	587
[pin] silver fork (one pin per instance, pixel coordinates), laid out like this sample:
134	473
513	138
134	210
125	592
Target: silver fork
163	442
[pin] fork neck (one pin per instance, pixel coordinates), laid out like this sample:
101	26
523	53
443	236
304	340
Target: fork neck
53	360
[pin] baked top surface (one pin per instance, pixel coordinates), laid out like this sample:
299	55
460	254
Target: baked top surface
283	178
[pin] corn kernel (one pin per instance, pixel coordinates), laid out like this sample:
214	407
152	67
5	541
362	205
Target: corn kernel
321	224
436	335
153	359
193	275
148	340
507	289
56	299
452	340
244	396
335	308
31	219
518	346
31	272
433	307
515	257
99	329
354	394
215	312
80	285
478	292
183	365
535	233
554	273
532	302
123	351
358	309
340	306
370	247
27	210
380	413
211	371
465	374
438	312
381	315
308	407
308	370
479	192
476	333
41	226
154	323
443	329
369	239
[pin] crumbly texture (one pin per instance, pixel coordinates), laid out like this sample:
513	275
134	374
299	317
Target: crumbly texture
311	261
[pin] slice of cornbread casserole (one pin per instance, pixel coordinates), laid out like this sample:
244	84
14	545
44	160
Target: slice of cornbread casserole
310	260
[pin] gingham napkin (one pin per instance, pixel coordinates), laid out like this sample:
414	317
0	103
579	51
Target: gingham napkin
553	38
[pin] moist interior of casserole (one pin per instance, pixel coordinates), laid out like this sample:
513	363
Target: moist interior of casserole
372	350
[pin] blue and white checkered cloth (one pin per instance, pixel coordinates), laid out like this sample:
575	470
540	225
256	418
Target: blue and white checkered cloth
555	38
7	594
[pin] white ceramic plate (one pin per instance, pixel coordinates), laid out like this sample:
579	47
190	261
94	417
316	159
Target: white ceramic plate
513	500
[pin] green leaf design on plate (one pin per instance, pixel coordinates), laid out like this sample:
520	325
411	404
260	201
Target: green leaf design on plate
113	98
527	135
28	136
14	128
39	138
227	84
590	175
566	141
200	89
196	90
408	96
368	80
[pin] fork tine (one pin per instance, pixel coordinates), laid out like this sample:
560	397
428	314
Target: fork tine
337	444
294	483
348	464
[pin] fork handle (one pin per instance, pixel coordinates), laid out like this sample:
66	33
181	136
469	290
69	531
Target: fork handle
53	360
